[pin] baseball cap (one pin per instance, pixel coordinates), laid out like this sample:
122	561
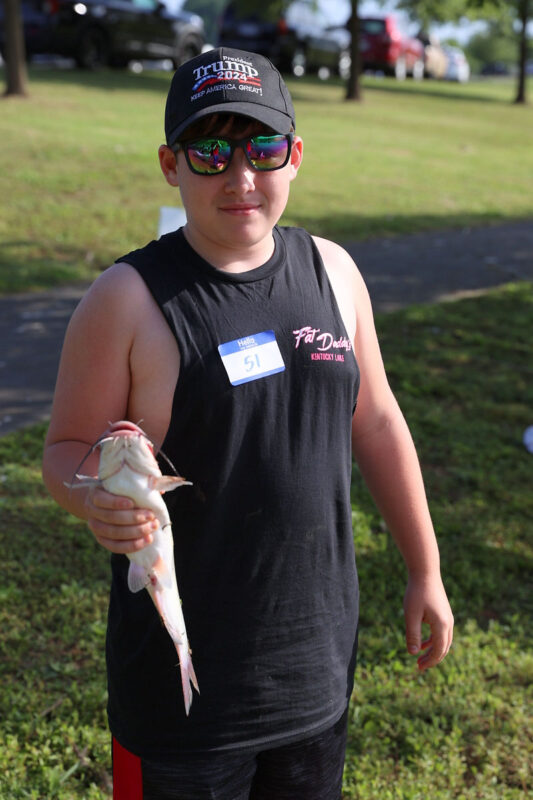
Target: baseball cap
226	80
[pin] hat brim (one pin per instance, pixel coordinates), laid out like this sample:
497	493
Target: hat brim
277	120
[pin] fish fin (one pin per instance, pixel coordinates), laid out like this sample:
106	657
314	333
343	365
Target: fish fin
166	483
192	676
137	577
187	676
82	481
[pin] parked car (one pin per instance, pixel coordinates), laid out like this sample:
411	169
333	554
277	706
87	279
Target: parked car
496	68
384	48
100	32
298	41
435	57
457	68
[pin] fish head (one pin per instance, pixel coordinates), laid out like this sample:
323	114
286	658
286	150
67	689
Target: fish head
126	443
124	428
126	433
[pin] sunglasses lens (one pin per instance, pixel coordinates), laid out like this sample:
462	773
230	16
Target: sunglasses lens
267	152
209	156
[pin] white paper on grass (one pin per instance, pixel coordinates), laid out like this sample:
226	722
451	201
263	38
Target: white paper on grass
528	438
170	219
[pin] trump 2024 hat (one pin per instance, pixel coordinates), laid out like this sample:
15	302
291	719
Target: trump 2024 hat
225	80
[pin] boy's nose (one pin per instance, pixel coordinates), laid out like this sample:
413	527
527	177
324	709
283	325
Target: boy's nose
240	173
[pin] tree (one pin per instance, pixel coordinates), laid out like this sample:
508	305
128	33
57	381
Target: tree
524	11
494	45
16	74
519	11
427	12
354	89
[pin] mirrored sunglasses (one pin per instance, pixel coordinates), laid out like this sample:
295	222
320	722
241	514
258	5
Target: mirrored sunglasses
212	155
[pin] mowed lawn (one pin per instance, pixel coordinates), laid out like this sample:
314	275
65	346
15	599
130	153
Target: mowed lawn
80	183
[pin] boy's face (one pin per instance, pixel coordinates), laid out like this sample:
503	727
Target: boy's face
237	209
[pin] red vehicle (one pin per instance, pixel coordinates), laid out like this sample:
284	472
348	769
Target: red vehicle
383	47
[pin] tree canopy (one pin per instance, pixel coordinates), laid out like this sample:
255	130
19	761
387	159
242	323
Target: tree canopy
516	12
427	12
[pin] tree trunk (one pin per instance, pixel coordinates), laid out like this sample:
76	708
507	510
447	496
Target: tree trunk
523	16
354	90
16	76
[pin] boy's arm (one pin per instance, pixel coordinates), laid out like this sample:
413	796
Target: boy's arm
92	389
385	453
384	450
387	459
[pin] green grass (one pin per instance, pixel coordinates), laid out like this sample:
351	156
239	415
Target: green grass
463	375
80	183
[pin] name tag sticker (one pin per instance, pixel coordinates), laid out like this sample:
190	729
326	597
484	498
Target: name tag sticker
251	357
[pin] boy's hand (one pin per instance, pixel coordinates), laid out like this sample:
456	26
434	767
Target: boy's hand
426	601
116	524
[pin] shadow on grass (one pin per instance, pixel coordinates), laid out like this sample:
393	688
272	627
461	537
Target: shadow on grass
156	80
356	225
426	88
483	582
429	88
105	79
26	265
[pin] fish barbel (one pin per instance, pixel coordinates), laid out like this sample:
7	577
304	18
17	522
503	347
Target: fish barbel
128	467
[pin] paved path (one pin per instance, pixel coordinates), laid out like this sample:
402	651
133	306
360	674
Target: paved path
400	271
431	267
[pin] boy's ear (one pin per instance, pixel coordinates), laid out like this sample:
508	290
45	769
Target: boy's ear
297	153
168	163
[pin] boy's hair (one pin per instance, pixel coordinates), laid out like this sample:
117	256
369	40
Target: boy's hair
227	81
234	125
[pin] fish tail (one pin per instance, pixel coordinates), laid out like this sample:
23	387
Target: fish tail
187	675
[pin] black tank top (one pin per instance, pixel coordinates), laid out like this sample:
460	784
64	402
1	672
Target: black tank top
264	554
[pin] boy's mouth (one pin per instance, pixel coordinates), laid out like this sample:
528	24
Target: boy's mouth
240	208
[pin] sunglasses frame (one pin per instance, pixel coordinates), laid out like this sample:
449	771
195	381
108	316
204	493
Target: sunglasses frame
184	145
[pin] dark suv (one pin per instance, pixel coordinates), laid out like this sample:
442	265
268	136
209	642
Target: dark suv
298	41
114	32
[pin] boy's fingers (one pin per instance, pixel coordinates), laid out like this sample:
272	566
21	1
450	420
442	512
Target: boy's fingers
99	498
427	604
121	519
116	530
115	515
122	539
123	547
413	627
436	647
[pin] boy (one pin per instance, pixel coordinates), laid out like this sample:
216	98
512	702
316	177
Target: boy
245	348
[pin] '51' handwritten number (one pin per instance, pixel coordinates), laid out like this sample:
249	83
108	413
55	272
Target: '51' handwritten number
251	362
